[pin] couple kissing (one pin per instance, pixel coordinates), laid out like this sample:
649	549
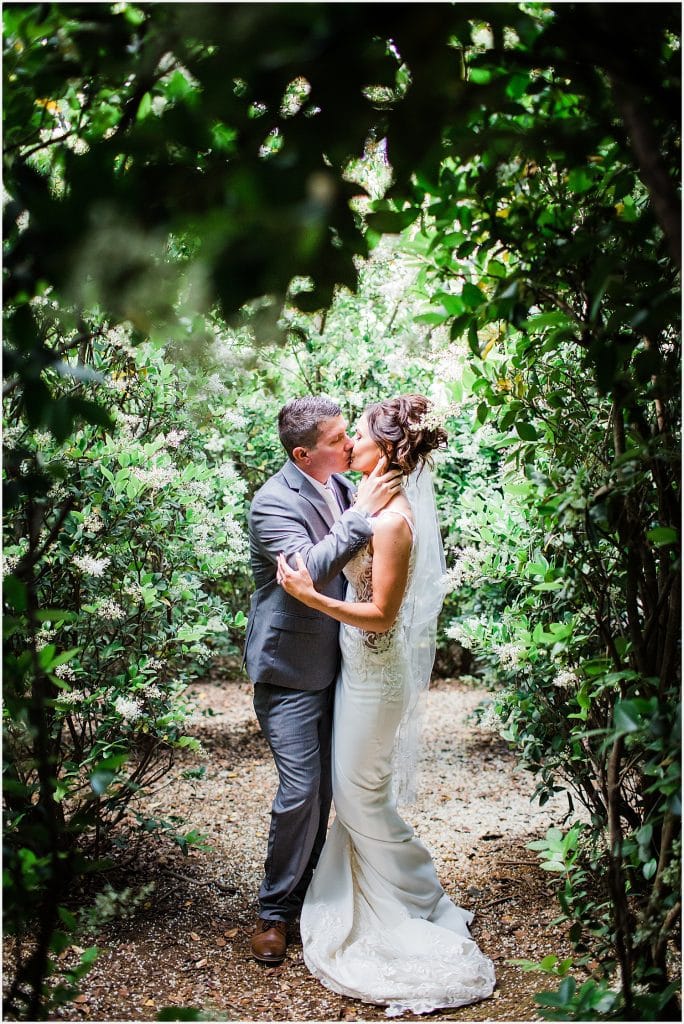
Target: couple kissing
340	646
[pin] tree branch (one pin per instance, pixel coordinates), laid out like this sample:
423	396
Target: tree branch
652	170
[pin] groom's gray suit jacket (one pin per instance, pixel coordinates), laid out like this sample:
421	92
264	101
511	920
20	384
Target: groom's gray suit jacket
287	643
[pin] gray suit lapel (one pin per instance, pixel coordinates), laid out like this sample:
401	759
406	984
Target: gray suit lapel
344	489
298	482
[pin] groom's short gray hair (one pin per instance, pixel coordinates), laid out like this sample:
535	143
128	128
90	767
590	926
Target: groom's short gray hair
299	419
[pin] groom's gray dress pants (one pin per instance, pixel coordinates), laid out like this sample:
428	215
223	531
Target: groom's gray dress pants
298	726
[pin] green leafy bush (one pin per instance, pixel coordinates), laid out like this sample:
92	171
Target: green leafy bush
149	521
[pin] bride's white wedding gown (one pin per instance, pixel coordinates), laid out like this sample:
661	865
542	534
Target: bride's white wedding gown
376	924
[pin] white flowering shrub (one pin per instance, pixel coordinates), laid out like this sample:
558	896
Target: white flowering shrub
514	602
140	529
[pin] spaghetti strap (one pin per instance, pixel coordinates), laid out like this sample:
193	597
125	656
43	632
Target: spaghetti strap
396	512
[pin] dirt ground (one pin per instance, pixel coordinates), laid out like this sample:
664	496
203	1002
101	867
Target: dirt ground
187	943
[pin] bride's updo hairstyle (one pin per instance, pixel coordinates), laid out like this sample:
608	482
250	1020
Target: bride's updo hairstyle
401	428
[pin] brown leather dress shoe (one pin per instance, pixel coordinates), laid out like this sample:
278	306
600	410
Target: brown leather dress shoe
269	941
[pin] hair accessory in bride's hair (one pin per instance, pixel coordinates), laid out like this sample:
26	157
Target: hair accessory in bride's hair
395	426
435	417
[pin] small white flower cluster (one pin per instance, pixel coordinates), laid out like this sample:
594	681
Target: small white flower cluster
108	609
202	535
132	589
77	145
42	439
227	473
490	720
71	697
44	301
481	35
201	489
57	493
566	679
153	691
267	146
214	385
467	567
44	636
180	585
156	477
234	419
174	438
452	363
129	425
65	672
156	664
461	632
393	286
202	654
294	97
508	654
48	135
129	709
356	399
223	350
436	416
9	564
11	434
239	544
215	443
119	337
91	566
92	523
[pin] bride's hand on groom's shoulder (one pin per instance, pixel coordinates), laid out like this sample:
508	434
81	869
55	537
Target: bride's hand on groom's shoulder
296	582
378	487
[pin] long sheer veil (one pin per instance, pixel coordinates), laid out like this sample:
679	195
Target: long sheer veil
423	602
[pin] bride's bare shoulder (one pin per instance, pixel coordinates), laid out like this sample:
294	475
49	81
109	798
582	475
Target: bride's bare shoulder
389	524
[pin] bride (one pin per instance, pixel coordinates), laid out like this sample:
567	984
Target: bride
376	924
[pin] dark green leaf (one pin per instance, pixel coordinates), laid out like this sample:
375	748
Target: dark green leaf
472	296
526	431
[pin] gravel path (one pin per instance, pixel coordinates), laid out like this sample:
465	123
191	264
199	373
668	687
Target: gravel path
187	944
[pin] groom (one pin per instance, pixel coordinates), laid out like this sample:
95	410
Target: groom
291	652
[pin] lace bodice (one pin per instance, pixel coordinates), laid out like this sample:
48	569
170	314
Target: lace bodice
359	574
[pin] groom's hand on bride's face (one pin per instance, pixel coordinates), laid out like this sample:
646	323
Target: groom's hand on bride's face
378	487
